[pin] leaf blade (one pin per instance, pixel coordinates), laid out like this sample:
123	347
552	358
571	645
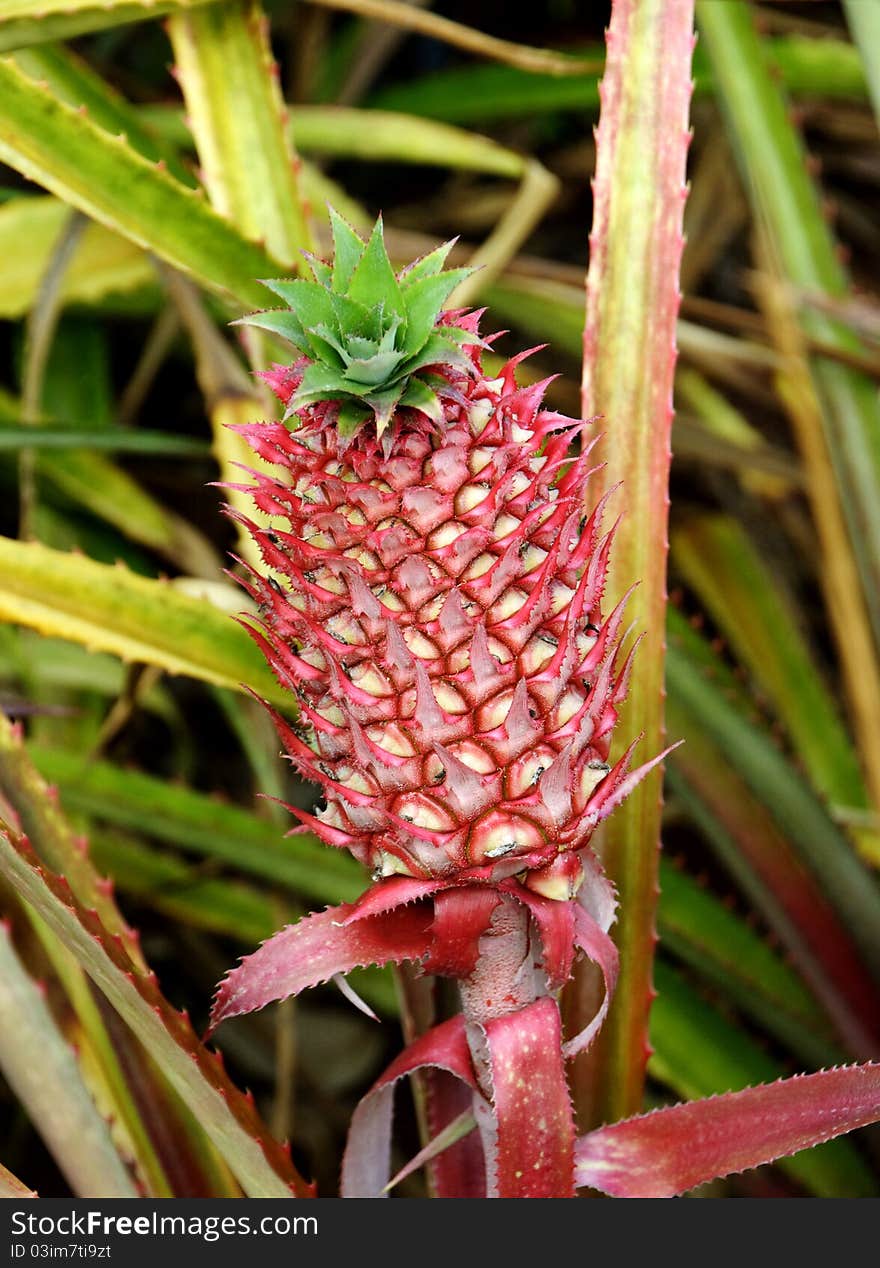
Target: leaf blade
700	1052
235	112
25	22
261	1166
54	145
43	1072
629	355
786	202
137	618
672	1150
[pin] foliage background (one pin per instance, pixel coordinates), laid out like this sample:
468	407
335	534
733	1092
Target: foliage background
117	376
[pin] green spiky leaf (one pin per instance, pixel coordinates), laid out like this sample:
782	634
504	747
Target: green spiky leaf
438	350
419	395
351	419
321	271
347	251
383	405
370	334
319	383
428	266
278	321
309	301
423	299
373	279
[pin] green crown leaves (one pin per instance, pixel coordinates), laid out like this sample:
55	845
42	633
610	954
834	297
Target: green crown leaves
371	335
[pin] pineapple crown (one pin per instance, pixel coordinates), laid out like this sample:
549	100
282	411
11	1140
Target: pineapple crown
372	337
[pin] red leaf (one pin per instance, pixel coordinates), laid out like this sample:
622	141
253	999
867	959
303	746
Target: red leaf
533	1117
663	1154
366	1167
598	947
388	894
461	1169
461	917
556	925
317	947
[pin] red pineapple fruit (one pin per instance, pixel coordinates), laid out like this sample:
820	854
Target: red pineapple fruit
438	619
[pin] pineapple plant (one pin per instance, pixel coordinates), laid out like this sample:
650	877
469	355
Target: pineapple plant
432	598
455	694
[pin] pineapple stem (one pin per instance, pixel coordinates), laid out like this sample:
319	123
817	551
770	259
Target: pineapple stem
504	979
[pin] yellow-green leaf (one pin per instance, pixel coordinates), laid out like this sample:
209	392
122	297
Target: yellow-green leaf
107	608
259	1163
237	116
62	149
24	22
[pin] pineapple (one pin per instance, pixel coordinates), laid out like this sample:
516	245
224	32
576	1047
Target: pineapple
432	597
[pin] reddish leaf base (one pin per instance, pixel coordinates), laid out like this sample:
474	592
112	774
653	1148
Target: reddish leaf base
439	924
509	947
525	1123
460	1169
503	1057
